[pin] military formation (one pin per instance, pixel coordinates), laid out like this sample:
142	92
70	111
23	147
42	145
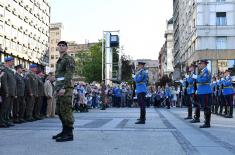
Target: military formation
22	93
211	94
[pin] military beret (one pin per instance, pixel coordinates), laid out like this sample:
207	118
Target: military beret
203	61
18	66
141	63
33	66
8	59
62	42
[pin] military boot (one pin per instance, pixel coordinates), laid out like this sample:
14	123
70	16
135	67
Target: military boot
189	113
196	118
230	115
207	119
59	134
67	136
141	121
225	110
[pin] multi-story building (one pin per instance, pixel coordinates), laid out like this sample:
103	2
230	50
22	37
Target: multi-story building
55	37
152	66
24	31
204	29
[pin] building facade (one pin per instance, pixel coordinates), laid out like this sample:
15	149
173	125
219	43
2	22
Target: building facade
24	31
55	37
204	29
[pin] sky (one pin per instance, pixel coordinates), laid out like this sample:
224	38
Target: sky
142	23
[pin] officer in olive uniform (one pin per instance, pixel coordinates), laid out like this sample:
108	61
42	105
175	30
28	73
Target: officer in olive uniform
19	103
31	91
65	68
204	91
9	89
141	78
2	121
40	94
228	93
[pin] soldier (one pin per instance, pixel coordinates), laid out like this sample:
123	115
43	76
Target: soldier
141	78
19	104
190	91
222	104
214	108
40	94
65	68
9	89
2	121
204	91
31	91
228	93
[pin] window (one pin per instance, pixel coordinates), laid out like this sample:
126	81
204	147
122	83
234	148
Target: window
52	57
220	0
221	18
221	42
52	65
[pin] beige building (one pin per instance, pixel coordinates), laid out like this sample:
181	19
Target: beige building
24	31
204	29
55	37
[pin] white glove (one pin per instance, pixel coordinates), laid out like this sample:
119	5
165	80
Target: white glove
186	76
181	81
194	76
222	78
133	76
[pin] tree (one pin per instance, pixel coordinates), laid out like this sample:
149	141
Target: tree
126	68
91	68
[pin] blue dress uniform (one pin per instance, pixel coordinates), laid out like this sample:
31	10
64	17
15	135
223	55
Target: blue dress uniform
168	95
214	97
141	89
190	93
204	92
228	95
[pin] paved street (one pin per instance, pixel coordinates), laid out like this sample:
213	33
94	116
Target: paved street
113	132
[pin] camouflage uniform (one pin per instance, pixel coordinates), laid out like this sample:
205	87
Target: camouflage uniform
31	92
64	73
9	93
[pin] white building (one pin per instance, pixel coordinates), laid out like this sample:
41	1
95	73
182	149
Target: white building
24	31
204	29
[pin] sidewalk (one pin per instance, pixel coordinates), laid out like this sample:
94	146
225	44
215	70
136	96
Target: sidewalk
113	132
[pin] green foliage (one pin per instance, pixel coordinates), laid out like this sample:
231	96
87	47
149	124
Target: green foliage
126	68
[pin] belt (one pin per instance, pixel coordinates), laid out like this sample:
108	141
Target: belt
141	83
202	84
60	79
228	87
190	85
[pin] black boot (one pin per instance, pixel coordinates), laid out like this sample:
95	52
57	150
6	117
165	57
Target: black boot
230	115
207	119
225	110
67	136
189	113
59	134
196	118
141	121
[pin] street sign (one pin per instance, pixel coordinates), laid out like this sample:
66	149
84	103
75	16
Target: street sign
114	40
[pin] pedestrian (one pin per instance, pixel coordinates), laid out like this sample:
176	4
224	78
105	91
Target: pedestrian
65	68
141	78
48	91
204	91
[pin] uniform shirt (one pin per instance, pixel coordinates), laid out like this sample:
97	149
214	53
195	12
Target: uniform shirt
219	87
65	68
8	82
204	82
141	81
228	86
168	92
190	88
31	83
20	85
40	86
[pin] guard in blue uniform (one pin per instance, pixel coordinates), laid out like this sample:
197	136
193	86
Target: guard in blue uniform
204	91
222	99
228	93
141	79
214	107
190	90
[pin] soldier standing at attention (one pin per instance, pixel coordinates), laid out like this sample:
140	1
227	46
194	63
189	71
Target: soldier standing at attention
204	91
31	91
228	93
9	89
141	78
19	104
65	68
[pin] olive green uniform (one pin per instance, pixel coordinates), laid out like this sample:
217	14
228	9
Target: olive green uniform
64	73
8	86
31	92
